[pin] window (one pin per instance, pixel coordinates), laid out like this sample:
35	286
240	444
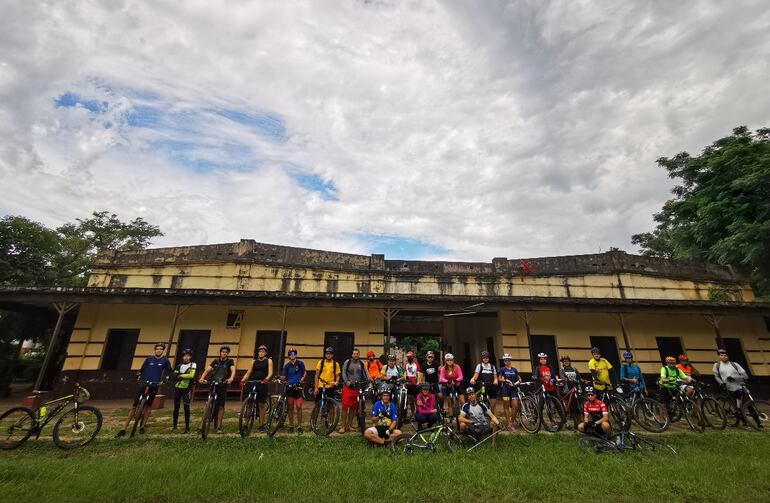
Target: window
275	346
543	344
198	341
119	348
609	348
342	342
735	350
669	346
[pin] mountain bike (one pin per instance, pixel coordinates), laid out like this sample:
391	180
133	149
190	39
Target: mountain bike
428	439
529	412
250	409
648	413
210	410
404	402
326	412
279	409
713	414
142	405
550	408
452	400
753	413
76	427
619	413
365	390
622	441
682	405
571	402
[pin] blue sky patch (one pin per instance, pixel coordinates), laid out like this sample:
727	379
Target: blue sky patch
316	184
263	124
143	116
395	247
69	100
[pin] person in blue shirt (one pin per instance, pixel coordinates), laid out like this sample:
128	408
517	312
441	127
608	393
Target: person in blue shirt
385	422
150	375
631	375
294	372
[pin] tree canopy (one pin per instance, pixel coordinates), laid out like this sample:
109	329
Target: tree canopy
721	207
32	254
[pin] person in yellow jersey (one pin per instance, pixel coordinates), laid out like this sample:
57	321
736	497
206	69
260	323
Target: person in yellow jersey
327	372
600	371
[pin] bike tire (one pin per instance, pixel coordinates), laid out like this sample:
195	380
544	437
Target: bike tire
208	413
693	416
308	392
16	426
756	413
275	419
86	421
713	414
675	412
138	415
651	415
246	418
529	415
552	414
597	445
361	416
733	415
647	444
323	422
619	414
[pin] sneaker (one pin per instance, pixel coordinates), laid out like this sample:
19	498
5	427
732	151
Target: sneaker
220	430
186	430
299	430
511	428
121	433
261	429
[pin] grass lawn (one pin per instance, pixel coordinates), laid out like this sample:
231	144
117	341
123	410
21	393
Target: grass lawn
161	467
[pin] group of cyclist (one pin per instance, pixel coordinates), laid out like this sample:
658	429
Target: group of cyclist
433	386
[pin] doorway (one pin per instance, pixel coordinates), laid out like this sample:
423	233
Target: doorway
342	342
543	344
609	348
735	351
271	339
198	341
669	346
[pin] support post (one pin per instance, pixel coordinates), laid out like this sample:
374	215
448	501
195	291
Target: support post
525	315
171	333
623	331
62	308
389	314
281	342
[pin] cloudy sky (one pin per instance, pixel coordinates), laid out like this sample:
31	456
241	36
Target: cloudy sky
455	130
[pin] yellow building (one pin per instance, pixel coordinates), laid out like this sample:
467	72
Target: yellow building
247	293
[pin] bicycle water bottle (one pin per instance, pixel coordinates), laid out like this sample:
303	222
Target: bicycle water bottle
41	413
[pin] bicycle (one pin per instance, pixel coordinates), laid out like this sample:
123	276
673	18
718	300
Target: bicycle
250	408
648	413
326	412
529	412
570	402
139	414
428	439
550	409
452	398
75	428
279	409
404	401
616	406
711	410
682	405
622	441
365	390
754	413
210	410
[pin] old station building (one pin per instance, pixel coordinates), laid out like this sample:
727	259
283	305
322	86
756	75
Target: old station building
247	293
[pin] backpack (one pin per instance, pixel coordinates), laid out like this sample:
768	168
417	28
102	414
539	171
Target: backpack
717	365
334	368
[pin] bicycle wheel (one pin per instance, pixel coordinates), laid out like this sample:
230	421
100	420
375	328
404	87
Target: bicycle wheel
552	414
276	417
399	444
713	414
208	416
647	444
732	413
529	415
307	391
138	415
401	409
651	415
361	415
693	416
77	427
246	418
619	415
324	420
675	411
597	445
757	414
16	425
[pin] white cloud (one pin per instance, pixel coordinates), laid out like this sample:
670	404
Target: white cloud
486	129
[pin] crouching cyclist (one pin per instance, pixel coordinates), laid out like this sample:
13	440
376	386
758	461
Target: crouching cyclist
596	419
475	417
385	422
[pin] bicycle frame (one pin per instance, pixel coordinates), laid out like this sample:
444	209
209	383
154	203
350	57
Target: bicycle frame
62	402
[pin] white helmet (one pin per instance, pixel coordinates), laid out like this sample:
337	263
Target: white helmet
506	356
449	356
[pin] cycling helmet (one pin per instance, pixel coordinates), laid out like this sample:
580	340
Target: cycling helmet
187	351
588	390
260	348
292	350
430	353
595	350
683	358
542	355
506	356
449	356
670	360
565	357
470	389
628	354
385	391
370	353
329	350
391	357
410	354
160	345
485	353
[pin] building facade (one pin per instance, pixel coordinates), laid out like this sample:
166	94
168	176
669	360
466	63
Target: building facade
245	294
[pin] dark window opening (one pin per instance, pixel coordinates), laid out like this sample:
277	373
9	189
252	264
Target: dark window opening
275	346
342	342
669	346
543	344
198	341
735	351
119	348
767	323
609	348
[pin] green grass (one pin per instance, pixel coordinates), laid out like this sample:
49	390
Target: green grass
710	467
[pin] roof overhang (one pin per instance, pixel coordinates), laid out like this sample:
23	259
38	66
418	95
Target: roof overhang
14	298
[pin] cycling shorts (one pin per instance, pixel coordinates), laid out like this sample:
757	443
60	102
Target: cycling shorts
509	393
140	391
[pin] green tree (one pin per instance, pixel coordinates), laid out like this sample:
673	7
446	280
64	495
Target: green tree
721	207
28	251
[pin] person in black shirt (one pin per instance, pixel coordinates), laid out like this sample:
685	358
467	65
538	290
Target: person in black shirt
219	370
430	371
259	374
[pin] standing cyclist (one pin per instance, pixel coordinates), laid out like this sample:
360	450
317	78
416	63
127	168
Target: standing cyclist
220	369
631	374
509	375
260	373
486	373
150	374
184	374
730	375
354	374
600	371
327	372
294	372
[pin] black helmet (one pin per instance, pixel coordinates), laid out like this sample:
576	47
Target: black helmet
595	350
329	350
187	351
